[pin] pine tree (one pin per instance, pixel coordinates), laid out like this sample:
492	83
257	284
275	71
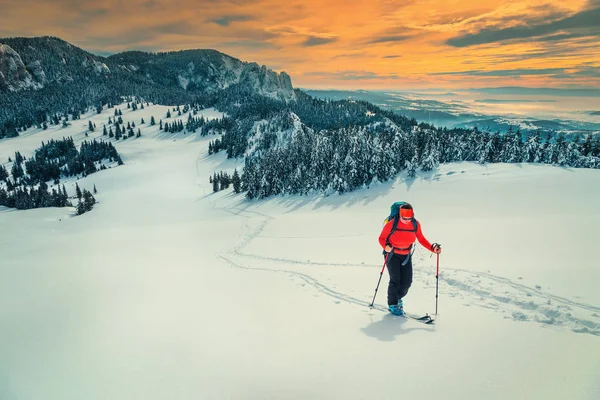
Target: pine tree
586	147
152	121
237	182
104	133
411	167
215	182
78	191
531	148
18	157
17	170
595	151
88	200
80	207
95	191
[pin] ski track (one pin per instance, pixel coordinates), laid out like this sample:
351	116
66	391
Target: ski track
502	295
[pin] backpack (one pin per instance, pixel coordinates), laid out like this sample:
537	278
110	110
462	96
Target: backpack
394	209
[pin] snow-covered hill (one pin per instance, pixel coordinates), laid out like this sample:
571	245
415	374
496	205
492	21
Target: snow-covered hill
168	290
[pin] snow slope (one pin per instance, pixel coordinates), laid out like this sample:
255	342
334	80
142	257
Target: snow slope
167	290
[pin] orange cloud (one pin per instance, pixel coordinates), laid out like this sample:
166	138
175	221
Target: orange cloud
383	44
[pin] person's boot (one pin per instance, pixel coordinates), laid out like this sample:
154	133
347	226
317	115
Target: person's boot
393	308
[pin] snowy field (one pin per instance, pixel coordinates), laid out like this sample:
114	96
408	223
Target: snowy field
166	290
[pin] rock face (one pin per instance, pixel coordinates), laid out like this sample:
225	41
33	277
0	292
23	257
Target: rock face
267	82
14	75
204	70
33	63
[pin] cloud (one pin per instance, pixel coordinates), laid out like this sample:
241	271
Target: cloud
505	72
351	55
350	75
317	41
393	56
150	4
582	71
585	19
557	52
580	33
226	20
391	38
587	72
134	36
249	44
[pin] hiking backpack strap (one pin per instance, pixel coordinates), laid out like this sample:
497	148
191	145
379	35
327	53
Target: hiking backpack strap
395	228
411	248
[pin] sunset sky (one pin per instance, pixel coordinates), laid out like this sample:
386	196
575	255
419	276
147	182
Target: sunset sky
378	44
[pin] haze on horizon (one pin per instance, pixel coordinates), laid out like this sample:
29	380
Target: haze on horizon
382	44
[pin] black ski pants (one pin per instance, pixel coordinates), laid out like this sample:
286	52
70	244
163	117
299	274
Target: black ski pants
400	277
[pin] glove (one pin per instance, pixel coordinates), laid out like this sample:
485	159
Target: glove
436	248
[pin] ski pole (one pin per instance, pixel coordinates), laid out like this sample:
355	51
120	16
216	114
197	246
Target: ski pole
437	273
379	281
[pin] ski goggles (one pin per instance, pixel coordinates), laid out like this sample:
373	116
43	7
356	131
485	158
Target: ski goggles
406	213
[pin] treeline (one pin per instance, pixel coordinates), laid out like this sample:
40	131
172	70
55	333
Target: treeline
222	181
23	198
25	186
345	159
58	158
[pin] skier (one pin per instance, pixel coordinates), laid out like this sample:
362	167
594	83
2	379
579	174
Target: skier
397	239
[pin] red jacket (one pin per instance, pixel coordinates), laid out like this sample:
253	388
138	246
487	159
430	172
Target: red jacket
403	237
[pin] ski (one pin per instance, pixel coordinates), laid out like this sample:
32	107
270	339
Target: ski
426	319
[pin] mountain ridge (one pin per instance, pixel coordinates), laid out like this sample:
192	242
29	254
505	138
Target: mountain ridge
34	63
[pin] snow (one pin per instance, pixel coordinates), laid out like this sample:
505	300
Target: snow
167	290
101	68
183	82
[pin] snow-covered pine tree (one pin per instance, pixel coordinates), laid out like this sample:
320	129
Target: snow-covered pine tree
236	181
411	167
531	148
215	183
